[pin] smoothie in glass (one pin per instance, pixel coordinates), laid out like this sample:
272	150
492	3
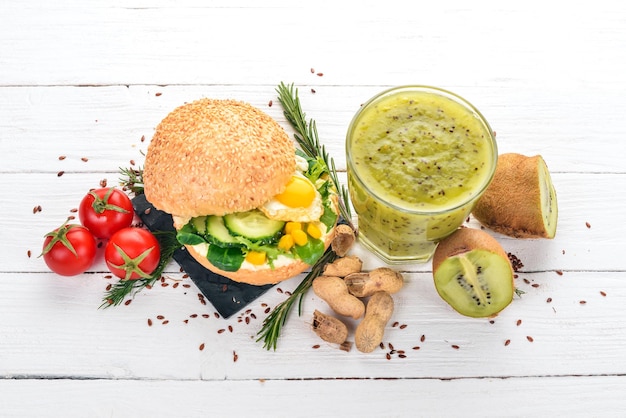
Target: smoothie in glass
418	158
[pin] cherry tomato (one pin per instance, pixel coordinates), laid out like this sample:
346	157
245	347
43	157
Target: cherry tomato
132	253
105	211
69	250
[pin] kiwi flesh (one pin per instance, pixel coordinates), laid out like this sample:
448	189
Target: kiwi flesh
473	273
521	199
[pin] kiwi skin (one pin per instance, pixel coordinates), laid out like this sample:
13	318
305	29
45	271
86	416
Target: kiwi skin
521	200
464	248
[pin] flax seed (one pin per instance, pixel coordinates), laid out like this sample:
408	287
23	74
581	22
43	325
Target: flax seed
159	317
530	339
165	322
312	70
423	338
507	342
84	159
230	328
388	356
549	300
602	292
583	302
235	356
201	347
316	346
60	173
519	322
270	103
403	326
143	138
267	310
313	91
215	314
186	285
588	224
320	74
103	183
29	253
132	162
149	322
128	302
62	157
417	347
559	272
175	285
193	315
456	347
279	290
158	93
73	210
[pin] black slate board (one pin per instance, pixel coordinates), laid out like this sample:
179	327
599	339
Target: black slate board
227	296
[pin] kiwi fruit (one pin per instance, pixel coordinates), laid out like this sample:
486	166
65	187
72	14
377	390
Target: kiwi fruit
521	200
473	273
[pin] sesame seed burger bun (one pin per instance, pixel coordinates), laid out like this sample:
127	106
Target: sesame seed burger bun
213	157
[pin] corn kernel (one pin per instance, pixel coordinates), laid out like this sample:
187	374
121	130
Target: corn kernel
313	231
256	257
286	242
299	236
292	226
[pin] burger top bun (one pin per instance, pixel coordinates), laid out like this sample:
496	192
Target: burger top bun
213	157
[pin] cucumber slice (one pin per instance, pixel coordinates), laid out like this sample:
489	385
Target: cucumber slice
218	234
253	225
199	224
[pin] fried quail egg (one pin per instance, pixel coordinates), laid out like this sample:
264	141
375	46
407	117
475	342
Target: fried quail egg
299	202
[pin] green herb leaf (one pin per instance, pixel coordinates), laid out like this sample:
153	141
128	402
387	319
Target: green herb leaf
227	259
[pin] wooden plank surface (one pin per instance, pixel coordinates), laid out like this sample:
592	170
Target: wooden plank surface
90	81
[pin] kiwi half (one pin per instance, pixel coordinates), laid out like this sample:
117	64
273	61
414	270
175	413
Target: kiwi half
473	273
521	199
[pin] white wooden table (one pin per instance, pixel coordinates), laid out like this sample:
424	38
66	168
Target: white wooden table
89	80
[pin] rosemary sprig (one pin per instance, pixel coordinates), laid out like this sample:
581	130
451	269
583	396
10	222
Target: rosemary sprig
273	323
308	140
132	179
125	288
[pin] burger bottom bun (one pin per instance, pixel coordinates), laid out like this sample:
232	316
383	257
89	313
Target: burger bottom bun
260	276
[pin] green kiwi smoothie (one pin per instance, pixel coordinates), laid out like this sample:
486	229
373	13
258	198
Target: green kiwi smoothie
418	158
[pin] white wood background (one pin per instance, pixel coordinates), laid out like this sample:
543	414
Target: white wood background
91	78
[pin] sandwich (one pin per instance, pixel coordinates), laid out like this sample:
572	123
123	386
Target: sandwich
244	201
